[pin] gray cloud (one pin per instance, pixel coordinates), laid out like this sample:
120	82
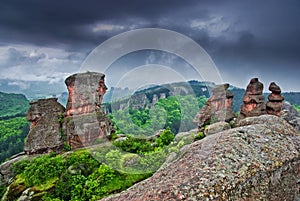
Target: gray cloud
244	38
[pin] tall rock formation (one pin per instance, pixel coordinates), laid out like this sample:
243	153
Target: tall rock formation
85	122
258	161
253	100
45	133
86	91
217	108
275	100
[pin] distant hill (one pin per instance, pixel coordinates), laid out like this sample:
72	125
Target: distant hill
13	125
144	97
13	105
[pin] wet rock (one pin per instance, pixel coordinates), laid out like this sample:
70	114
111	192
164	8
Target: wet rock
275	100
45	133
253	100
217	108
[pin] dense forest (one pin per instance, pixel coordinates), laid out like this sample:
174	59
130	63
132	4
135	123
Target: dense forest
12	105
174	112
13	125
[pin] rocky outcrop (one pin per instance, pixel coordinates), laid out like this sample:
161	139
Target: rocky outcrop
86	91
217	108
216	127
253	100
275	99
290	114
6	169
45	135
85	122
258	161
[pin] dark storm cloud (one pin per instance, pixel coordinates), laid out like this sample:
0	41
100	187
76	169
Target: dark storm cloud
64	21
248	37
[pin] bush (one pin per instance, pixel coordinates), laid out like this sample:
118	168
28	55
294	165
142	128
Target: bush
134	145
41	169
165	138
199	136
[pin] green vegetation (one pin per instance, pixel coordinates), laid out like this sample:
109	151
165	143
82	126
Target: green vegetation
13	125
12	105
77	176
297	107
95	173
174	112
12	134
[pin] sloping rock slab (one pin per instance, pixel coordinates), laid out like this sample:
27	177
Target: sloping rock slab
252	162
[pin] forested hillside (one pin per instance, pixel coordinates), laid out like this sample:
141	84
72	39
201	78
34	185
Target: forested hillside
13	125
12	105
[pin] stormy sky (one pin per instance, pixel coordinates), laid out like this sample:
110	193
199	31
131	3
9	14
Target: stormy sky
49	40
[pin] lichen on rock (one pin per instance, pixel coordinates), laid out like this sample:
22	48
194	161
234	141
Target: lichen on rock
257	161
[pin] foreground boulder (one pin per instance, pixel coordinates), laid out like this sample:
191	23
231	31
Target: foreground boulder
45	135
257	161
290	114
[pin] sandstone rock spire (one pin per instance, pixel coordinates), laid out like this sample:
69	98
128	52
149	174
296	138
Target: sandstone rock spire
217	108
85	122
253	100
275	100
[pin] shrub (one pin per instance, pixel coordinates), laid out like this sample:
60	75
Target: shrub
165	138
199	136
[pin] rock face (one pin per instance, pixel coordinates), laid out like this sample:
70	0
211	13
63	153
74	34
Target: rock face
258	161
86	92
275	99
216	127
45	133
253	100
290	114
85	122
217	108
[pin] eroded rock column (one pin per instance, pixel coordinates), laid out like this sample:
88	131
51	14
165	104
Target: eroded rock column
85	122
217	108
253	100
275	100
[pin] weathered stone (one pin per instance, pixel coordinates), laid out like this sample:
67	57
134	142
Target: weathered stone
275	99
86	91
216	127
253	100
6	168
85	122
217	108
253	162
45	133
290	114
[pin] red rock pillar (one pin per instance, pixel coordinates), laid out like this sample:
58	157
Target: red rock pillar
253	100
275	100
218	107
